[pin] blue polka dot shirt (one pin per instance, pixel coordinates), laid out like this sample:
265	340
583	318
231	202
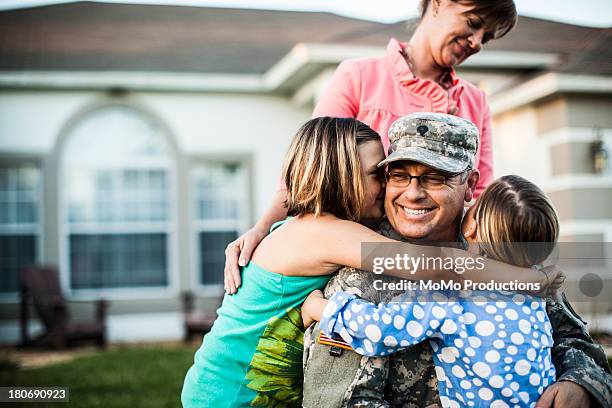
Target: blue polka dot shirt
491	349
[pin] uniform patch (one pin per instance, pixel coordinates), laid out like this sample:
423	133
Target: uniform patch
336	341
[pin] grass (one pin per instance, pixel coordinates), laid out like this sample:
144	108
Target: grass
123	377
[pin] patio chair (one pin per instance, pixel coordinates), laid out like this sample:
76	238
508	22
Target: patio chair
196	322
40	286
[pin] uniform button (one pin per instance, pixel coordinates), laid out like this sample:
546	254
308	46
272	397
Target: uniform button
422	130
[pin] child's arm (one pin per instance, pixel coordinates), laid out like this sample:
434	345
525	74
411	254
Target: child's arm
313	306
377	330
339	242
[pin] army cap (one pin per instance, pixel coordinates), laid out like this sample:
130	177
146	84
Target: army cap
444	142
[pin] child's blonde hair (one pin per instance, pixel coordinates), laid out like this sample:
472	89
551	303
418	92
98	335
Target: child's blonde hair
322	169
516	222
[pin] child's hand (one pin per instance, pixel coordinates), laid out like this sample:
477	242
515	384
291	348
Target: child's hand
313	308
556	278
553	279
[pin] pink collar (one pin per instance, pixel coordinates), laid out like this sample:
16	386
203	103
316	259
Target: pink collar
439	94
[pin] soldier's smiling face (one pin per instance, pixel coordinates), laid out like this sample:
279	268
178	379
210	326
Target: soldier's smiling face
423	214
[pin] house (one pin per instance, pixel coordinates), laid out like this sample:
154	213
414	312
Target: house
138	140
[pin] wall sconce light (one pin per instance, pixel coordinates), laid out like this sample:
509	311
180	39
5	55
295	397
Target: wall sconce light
599	153
117	92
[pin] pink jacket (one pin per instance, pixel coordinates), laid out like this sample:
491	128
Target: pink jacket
377	91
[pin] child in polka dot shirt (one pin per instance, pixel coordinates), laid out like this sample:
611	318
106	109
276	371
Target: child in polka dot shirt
490	349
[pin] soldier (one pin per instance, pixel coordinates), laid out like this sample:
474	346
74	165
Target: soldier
424	144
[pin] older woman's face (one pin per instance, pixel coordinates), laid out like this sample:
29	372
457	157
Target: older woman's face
454	32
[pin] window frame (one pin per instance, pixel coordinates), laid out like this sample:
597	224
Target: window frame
246	207
38	161
171	224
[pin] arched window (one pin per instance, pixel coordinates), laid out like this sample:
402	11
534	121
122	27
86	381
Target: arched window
116	182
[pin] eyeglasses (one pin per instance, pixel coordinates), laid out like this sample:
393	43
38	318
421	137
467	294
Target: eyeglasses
428	181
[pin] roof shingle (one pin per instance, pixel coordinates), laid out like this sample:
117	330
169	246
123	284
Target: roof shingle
88	36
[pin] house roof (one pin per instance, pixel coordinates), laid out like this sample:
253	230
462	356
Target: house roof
88	36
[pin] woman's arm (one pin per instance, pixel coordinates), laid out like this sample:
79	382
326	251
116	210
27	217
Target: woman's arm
238	253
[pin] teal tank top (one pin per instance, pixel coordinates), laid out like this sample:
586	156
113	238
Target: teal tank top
253	354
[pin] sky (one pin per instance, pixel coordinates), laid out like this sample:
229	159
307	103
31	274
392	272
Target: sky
596	13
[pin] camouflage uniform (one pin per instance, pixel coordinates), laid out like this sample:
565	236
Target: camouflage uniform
408	379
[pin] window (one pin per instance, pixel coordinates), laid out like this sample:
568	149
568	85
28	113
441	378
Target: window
116	170
20	192
221	215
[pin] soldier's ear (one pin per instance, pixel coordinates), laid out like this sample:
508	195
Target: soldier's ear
469	227
471	182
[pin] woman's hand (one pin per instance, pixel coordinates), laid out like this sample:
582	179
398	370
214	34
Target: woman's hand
238	253
313	306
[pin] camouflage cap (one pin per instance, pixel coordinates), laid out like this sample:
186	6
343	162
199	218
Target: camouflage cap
444	142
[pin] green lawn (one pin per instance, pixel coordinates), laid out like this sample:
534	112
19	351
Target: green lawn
121	377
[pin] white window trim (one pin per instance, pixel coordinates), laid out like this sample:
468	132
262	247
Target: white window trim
19	229
162	292
197	226
29	229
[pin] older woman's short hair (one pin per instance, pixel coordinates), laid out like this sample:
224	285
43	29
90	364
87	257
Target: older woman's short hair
499	16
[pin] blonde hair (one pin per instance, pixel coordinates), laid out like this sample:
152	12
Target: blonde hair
322	169
516	222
